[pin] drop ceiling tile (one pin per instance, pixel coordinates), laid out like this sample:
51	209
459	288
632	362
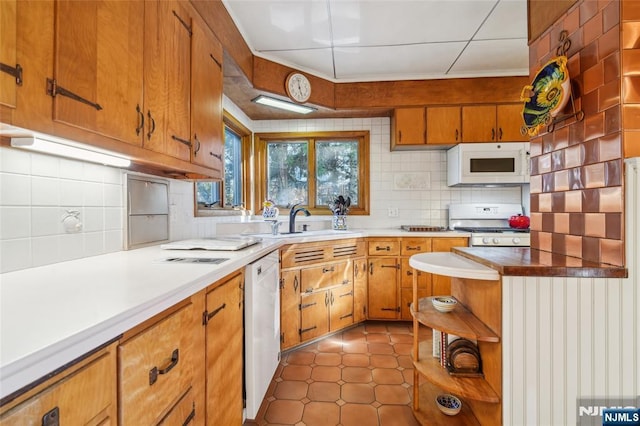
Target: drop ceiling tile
508	20
493	57
315	61
385	63
374	23
281	25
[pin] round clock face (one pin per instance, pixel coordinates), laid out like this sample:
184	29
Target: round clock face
298	87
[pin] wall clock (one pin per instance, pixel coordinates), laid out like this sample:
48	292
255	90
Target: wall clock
298	87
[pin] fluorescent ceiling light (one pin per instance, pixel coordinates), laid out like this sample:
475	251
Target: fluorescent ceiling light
64	148
277	103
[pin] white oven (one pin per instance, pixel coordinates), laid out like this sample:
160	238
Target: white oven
488	164
488	224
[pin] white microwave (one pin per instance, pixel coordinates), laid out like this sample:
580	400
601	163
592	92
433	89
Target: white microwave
488	164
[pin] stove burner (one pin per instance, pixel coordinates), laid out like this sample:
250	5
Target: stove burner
489	229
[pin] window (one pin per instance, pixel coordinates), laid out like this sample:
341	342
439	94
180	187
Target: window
313	169
230	193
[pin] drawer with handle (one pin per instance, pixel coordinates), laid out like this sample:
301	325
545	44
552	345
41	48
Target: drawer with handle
155	368
384	247
327	275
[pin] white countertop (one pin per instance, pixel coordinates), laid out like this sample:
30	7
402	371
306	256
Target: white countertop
452	265
53	314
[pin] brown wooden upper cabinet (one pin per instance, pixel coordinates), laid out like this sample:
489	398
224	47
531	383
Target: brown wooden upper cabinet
492	123
206	99
443	125
98	74
426	126
8	81
409	126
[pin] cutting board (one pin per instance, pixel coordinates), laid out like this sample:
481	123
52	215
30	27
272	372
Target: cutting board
226	243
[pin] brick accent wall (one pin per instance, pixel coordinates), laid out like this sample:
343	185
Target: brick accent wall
577	192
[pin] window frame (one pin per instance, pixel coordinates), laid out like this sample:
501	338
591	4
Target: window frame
245	135
362	136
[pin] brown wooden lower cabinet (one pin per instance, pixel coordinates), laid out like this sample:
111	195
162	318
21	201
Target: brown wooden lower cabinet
322	289
85	394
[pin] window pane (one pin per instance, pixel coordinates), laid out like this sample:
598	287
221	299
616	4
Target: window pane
336	171
232	168
287	172
208	194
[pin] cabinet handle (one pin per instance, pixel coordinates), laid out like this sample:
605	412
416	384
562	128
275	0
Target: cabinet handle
53	90
191	416
391	309
304	330
355	272
154	372
152	125
347	316
409	248
51	417
13	71
457	133
493	134
500	133
331	269
347	294
399	135
206	316
184	24
326	299
182	141
295	283
371	268
387	248
141	114
195	151
306	305
409	273
396	266
218	156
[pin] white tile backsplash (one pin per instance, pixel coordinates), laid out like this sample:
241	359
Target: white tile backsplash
36	190
35	193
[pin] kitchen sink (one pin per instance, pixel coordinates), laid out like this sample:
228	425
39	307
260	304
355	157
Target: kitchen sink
302	234
206	260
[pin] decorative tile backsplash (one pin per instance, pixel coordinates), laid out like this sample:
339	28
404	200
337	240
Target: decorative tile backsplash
577	169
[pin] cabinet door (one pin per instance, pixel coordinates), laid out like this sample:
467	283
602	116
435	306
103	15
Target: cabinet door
440	284
327	275
341	303
206	99
86	397
167	85
224	342
8	31
98	58
359	290
406	299
383	289
510	122
479	123
289	308
156	367
443	125
314	315
409	126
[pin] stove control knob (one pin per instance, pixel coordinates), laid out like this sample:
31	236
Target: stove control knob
485	240
496	241
516	240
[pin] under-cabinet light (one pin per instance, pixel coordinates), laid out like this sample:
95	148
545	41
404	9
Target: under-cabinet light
64	148
277	103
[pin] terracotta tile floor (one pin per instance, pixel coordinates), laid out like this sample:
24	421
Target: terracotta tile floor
360	377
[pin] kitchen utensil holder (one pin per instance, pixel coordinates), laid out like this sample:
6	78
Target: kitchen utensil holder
339	222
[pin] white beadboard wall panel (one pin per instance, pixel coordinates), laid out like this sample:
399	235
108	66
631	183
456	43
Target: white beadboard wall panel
566	338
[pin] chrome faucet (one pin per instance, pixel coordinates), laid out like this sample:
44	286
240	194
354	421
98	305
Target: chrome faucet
292	216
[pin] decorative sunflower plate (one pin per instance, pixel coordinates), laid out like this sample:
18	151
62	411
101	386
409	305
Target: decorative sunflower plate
546	96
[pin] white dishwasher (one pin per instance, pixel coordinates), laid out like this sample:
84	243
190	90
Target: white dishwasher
261	328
